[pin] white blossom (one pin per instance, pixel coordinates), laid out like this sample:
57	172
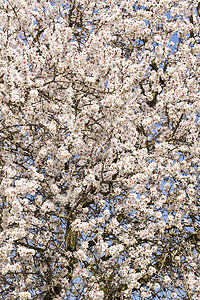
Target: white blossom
99	149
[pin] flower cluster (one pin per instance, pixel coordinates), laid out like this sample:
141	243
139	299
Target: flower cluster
99	149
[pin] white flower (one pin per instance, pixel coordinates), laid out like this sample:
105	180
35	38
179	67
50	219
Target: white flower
89	179
101	246
158	215
33	93
191	280
76	224
167	280
84	245
24	295
63	153
54	189
47	206
92	223
106	213
156	286
80	254
173	295
115	250
42	153
23	251
113	223
95	294
16	207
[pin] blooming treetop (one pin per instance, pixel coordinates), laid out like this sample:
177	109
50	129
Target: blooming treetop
99	149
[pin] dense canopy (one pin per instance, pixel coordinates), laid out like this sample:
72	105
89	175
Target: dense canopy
99	149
